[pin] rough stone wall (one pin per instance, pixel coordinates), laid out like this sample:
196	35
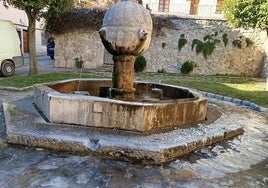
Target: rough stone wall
164	53
224	59
82	43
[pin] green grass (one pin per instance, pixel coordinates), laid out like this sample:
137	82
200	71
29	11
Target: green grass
245	88
25	81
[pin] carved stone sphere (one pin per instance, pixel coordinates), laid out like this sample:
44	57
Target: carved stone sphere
126	29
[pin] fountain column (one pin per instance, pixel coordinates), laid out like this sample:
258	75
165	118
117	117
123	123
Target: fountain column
125	33
123	77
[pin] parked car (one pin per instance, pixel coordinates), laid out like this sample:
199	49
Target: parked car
50	47
10	49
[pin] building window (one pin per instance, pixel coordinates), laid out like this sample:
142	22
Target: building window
163	6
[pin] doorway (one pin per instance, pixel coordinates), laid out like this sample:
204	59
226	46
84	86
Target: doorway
25	41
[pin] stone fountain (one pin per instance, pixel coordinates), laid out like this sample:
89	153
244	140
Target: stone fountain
120	118
126	33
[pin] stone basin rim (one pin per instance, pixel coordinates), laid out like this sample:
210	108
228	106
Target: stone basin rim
55	93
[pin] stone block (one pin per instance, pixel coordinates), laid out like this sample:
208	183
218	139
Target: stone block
245	103
210	95
218	97
236	101
157	93
228	99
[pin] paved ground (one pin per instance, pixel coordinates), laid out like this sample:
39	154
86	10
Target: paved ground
45	65
241	162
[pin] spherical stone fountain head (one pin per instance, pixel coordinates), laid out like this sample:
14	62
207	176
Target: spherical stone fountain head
126	29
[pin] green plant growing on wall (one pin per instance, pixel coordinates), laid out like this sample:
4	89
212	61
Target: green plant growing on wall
237	43
249	42
140	64
182	42
198	44
79	62
206	47
225	39
207	37
187	67
163	70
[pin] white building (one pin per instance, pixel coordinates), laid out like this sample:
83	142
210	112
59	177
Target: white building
20	20
187	7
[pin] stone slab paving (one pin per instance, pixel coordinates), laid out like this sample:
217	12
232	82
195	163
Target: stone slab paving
24	125
239	162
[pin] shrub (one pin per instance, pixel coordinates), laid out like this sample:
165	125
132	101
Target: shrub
162	70
79	62
140	64
187	67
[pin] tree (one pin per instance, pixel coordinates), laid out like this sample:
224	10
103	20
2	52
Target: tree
247	13
34	10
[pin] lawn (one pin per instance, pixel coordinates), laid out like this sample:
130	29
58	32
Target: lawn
245	88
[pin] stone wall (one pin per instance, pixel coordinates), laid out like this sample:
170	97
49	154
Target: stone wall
163	52
82	43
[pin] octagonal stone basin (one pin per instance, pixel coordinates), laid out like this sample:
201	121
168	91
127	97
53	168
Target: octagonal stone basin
178	106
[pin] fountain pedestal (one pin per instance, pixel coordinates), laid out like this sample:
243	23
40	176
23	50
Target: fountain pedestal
123	78
125	33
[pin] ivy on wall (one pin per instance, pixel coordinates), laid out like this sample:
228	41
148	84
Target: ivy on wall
225	39
205	47
182	42
237	43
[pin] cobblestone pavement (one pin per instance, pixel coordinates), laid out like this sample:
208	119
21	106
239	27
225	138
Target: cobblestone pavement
240	162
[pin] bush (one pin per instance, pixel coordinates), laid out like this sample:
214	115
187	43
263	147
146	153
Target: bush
187	67
79	62
140	64
163	70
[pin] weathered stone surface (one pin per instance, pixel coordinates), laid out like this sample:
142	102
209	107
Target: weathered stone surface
84	44
224	59
125	33
59	105
126	29
123	77
31	129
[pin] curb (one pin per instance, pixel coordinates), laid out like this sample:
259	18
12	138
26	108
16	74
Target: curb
238	102
17	89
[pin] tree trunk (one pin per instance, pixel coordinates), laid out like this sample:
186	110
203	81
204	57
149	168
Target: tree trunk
33	68
266	56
